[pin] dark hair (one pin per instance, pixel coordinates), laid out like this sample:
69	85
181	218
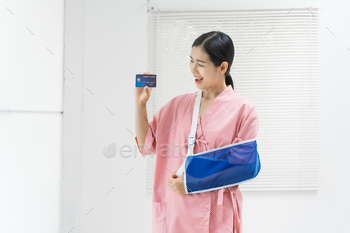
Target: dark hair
220	48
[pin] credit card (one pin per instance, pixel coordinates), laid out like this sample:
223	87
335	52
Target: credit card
143	80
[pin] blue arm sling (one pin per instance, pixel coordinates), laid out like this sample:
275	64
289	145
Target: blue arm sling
220	167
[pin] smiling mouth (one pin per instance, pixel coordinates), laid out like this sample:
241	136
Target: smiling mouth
198	79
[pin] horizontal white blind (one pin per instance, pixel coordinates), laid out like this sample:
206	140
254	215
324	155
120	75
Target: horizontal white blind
276	66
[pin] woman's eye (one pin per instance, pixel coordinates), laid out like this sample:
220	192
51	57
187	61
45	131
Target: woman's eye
198	64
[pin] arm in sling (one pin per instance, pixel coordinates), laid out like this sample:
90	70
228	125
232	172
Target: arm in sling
220	167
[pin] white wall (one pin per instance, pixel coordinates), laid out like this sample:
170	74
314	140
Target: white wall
114	39
31	91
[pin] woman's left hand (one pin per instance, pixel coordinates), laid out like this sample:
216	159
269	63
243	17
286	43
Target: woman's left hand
177	183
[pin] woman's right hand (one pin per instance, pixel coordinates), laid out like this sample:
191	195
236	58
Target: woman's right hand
142	94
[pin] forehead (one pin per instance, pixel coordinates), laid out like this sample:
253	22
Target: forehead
197	52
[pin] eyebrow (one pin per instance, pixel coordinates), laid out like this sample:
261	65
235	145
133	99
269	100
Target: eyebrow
197	59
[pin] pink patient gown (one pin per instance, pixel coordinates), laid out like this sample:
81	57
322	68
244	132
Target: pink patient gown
230	118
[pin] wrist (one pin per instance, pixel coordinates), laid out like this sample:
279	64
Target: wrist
140	104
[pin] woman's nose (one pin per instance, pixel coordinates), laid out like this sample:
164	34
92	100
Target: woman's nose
193	70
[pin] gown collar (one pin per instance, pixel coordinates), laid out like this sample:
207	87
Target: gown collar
211	109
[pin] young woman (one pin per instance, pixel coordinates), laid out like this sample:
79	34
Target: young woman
225	117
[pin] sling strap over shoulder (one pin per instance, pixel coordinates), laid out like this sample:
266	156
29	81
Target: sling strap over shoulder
192	135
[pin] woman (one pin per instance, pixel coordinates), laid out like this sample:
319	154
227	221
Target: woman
225	118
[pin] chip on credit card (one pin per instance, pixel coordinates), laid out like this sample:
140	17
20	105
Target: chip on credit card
143	80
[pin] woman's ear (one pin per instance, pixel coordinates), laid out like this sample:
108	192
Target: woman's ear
223	67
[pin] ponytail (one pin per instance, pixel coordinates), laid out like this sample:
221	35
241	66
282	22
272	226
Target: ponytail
228	80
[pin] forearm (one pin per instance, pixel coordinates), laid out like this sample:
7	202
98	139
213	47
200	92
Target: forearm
141	123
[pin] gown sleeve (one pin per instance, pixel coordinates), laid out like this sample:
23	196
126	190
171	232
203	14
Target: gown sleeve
158	119
248	127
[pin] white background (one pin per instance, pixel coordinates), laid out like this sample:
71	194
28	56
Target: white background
55	185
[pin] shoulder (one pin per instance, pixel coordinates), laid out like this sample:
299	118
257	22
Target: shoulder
241	100
184	98
178	102
242	103
177	105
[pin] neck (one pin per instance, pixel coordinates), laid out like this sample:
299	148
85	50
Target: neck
212	92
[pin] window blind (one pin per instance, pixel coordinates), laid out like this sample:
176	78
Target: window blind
276	66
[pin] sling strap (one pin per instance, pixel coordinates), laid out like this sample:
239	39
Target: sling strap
192	135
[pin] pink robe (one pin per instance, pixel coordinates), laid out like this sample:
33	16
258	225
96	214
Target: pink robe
230	118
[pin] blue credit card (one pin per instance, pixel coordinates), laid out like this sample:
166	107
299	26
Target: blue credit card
143	80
